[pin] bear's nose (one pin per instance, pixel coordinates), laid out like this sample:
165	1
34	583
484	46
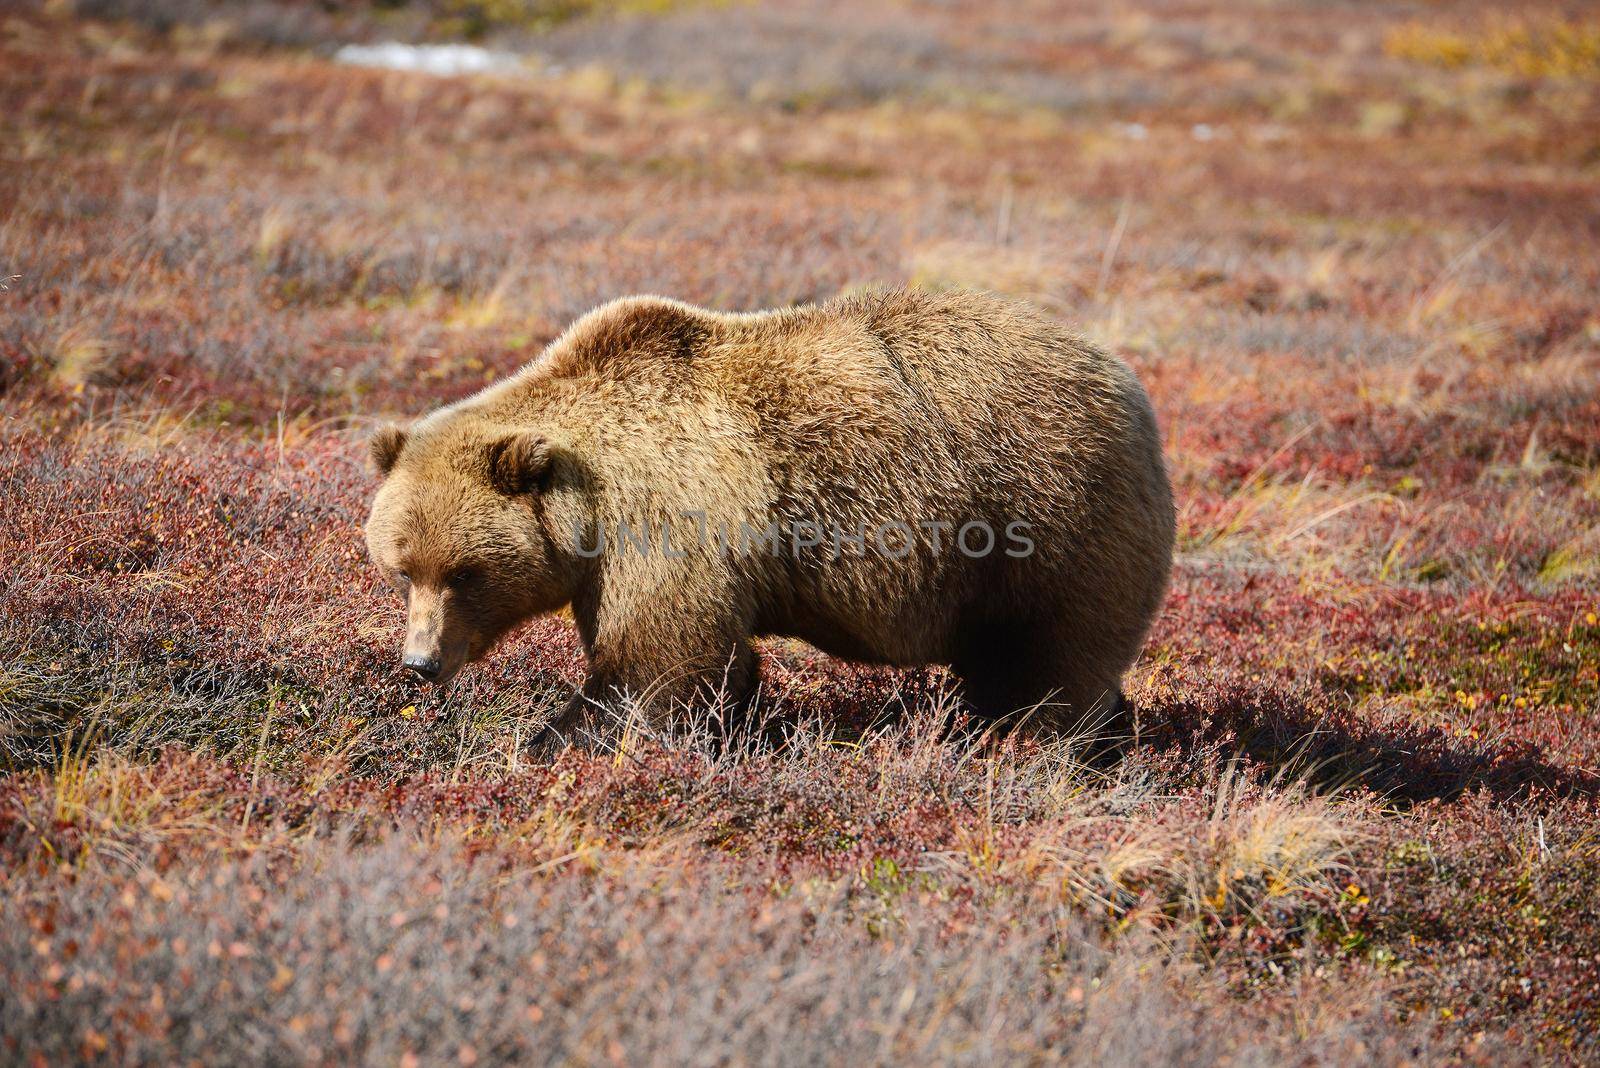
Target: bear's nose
424	667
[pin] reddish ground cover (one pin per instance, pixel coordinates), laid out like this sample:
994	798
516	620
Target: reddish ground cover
1352	253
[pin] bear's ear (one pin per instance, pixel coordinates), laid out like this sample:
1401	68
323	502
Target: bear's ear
519	463
386	443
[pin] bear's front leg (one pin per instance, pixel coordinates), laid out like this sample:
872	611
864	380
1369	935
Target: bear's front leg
576	722
715	681
664	638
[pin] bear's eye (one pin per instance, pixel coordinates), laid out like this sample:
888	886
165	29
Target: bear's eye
461	576
402	580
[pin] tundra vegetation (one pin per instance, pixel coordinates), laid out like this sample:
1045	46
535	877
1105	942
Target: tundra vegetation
1351	252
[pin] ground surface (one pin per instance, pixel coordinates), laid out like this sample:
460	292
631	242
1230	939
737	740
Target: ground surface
1350	248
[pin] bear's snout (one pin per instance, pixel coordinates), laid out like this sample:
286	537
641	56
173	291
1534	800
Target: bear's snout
424	667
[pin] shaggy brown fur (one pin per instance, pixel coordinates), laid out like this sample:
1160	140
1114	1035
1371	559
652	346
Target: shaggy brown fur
890	407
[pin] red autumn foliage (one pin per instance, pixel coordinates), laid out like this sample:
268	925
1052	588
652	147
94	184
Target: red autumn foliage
1353	256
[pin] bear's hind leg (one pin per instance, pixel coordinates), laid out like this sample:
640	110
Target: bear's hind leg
1030	675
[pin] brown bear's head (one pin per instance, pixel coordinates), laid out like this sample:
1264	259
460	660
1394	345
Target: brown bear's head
469	526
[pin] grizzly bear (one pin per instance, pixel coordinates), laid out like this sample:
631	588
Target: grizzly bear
897	477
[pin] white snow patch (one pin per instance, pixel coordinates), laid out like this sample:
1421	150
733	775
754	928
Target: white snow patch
443	59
